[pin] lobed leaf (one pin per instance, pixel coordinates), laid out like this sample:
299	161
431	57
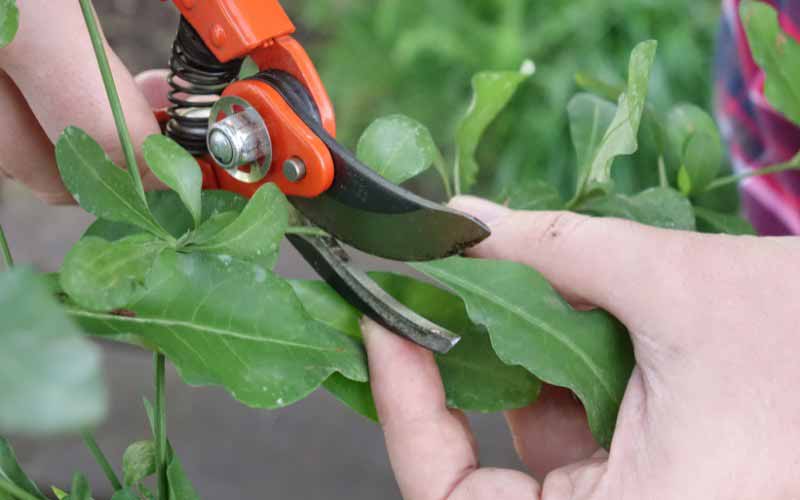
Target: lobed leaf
12	472
50	376
777	54
176	168
620	138
710	221
99	186
226	322
9	21
491	93
103	276
531	326
255	235
659	207
397	147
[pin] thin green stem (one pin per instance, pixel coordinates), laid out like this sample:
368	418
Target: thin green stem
441	167
15	491
160	430
102	460
306	231
733	179
8	260
662	172
113	97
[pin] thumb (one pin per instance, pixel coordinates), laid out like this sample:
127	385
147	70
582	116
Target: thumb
621	266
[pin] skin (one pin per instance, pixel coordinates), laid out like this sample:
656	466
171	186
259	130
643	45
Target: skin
48	81
710	410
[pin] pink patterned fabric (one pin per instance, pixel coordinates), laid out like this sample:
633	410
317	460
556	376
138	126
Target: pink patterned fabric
758	136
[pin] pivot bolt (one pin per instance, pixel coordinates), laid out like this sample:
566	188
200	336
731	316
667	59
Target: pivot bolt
294	169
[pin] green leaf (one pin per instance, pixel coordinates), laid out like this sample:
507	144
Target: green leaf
214	225
139	462
620	138
50	376
709	221
777	54
12	472
80	488
695	141
249	68
532	194
532	326
59	493
589	119
168	210
99	186
491	93
125	494
397	147
256	234
225	322
180	488
474	377
103	276
659	207
9	21
176	168
501	387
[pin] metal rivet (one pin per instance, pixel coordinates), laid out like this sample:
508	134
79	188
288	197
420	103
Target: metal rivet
294	169
218	35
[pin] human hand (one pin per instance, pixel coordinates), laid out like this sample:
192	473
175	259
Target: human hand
49	80
710	410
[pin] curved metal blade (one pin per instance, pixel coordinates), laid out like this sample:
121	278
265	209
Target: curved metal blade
333	264
370	213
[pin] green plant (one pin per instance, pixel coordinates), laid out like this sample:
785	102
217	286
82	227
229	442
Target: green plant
188	275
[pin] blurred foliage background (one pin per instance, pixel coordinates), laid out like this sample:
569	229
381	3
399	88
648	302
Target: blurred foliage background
417	57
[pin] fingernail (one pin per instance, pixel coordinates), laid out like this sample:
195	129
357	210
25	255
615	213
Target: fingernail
485	210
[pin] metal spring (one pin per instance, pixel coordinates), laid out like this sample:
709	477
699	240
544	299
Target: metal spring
196	80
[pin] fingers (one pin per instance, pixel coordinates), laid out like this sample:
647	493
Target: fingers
154	86
26	153
53	65
552	432
431	449
623	267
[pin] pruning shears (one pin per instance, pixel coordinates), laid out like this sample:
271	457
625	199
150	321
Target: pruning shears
279	126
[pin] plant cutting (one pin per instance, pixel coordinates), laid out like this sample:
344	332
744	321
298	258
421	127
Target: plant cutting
188	272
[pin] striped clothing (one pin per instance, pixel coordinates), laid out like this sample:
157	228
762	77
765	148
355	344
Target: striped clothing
758	136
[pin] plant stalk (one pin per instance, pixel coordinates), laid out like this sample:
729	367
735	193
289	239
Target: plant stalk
8	260
15	491
662	173
113	97
306	231
733	179
161	427
441	167
102	460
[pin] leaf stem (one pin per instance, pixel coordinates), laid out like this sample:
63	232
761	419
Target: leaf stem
113	97
306	231
733	179
662	172
8	260
15	491
160	430
441	167
102	461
